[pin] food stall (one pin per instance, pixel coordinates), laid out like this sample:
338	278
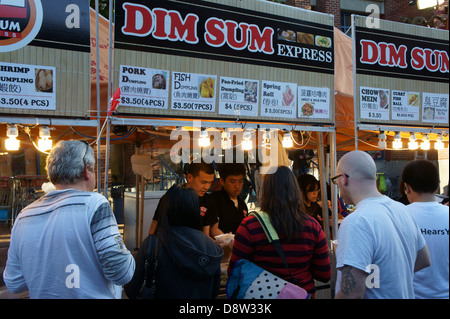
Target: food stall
236	73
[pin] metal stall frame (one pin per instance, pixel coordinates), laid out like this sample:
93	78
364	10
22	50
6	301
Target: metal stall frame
252	125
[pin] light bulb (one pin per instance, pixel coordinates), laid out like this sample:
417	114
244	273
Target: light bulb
425	145
247	142
382	144
439	145
265	143
204	140
382	140
12	143
397	144
412	144
226	140
287	141
44	143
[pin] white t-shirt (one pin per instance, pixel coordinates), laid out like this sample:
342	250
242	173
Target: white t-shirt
381	238
432	219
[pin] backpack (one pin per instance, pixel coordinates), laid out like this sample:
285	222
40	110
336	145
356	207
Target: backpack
249	281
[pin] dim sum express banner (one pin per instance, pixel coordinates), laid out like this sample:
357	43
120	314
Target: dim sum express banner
399	55
401	73
215	31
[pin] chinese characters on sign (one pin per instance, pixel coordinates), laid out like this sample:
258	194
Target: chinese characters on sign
435	108
313	102
144	87
25	86
193	92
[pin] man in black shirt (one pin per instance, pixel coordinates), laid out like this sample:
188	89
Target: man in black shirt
230	208
199	177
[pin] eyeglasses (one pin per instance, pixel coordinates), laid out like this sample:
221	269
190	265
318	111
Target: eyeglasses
334	179
314	191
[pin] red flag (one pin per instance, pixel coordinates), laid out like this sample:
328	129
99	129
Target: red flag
115	100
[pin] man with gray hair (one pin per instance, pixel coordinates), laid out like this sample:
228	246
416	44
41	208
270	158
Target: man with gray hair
67	243
379	245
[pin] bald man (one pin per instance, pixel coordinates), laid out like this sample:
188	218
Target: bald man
379	244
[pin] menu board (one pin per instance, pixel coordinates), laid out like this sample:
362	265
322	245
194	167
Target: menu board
25	86
313	102
144	87
374	103
239	97
405	105
278	99
193	92
400	73
435	108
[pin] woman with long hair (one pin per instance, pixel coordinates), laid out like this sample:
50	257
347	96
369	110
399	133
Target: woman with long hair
188	261
301	237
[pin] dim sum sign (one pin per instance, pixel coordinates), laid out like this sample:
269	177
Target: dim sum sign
401	73
216	31
402	56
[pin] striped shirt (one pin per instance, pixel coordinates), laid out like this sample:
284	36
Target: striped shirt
306	255
67	245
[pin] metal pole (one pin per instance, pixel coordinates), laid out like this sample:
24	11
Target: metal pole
334	188
108	135
99	181
108	124
323	188
355	92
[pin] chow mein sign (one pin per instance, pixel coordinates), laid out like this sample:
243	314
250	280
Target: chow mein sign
401	73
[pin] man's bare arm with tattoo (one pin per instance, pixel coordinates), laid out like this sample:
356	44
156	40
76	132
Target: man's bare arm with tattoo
353	283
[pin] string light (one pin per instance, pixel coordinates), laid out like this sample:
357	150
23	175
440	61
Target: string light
44	143
247	144
266	139
287	140
204	140
382	140
439	145
397	144
425	145
413	145
226	140
12	143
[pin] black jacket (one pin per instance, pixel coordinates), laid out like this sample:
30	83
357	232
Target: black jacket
188	265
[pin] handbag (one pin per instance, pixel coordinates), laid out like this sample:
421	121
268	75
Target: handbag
148	290
249	281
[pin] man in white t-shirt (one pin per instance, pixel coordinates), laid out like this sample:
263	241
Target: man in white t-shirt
421	181
379	245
